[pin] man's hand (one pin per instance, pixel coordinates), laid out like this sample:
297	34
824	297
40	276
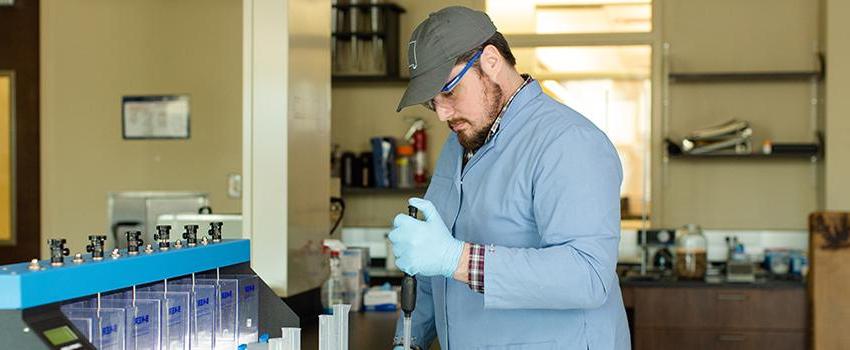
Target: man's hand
424	247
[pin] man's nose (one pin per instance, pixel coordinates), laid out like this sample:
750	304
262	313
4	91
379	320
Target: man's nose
443	114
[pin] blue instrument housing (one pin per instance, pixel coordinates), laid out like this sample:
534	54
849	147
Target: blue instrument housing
22	287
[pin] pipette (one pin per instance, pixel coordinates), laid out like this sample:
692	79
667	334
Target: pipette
408	295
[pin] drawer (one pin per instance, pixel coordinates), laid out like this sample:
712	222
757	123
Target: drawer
674	307
656	339
775	309
737	308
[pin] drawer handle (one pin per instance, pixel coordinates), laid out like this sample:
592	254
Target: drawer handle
731	297
731	338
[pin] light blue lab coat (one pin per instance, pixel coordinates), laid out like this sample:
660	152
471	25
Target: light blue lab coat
544	196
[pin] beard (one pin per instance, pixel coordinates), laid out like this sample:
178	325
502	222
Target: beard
473	138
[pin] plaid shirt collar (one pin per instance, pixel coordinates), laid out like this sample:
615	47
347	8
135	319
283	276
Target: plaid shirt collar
496	123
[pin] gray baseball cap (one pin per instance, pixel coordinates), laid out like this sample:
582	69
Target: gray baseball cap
435	45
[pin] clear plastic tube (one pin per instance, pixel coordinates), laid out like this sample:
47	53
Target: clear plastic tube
341	312
406	334
326	336
291	338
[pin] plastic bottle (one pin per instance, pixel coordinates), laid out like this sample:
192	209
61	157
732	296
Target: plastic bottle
404	163
333	289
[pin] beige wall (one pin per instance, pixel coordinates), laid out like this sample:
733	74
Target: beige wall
837	106
704	36
361	111
731	35
95	51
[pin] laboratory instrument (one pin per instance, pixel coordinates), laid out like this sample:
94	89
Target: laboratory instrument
111	303
408	295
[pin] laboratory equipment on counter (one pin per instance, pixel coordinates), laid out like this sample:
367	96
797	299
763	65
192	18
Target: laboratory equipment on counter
739	268
58	252
333	290
215	231
333	329
32	295
380	298
691	255
662	260
232	228
163	236
138	211
134	242
655	244
408	295
95	246
191	235
354	264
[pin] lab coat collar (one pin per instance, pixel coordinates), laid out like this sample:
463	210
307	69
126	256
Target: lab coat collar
528	93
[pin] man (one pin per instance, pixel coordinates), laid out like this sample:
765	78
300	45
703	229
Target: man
518	245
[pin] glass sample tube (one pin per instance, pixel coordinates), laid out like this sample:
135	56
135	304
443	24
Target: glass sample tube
201	311
174	317
248	308
108	325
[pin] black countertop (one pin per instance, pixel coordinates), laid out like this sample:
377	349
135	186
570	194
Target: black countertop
374	330
709	282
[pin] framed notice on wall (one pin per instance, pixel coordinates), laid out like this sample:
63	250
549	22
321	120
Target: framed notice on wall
155	117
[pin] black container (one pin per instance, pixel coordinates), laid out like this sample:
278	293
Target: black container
366	173
349	170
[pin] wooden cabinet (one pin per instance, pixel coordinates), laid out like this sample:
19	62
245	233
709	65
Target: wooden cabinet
726	340
719	318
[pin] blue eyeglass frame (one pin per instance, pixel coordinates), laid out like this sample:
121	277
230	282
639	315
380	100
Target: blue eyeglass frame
456	80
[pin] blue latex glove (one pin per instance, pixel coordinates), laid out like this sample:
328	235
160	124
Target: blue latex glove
424	247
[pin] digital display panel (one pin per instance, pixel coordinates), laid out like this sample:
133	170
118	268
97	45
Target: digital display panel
60	335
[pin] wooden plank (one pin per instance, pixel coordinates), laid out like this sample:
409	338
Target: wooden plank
829	279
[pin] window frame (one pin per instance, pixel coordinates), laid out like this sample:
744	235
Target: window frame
653	176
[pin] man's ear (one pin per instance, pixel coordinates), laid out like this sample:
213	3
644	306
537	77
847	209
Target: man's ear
491	62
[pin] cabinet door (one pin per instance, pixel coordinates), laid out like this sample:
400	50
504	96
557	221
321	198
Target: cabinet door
654	339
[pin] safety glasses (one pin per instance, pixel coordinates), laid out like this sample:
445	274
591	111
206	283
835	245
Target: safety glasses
454	81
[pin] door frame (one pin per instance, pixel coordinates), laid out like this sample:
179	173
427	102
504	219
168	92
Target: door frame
20	44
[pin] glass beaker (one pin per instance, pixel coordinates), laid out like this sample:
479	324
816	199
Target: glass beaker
691	253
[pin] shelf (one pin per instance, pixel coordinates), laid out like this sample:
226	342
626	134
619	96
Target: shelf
390	6
752	156
744	76
361	35
367	191
357	79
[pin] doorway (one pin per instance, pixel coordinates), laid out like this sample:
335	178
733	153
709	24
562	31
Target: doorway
20	228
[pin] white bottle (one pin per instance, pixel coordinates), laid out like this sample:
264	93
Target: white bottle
333	289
